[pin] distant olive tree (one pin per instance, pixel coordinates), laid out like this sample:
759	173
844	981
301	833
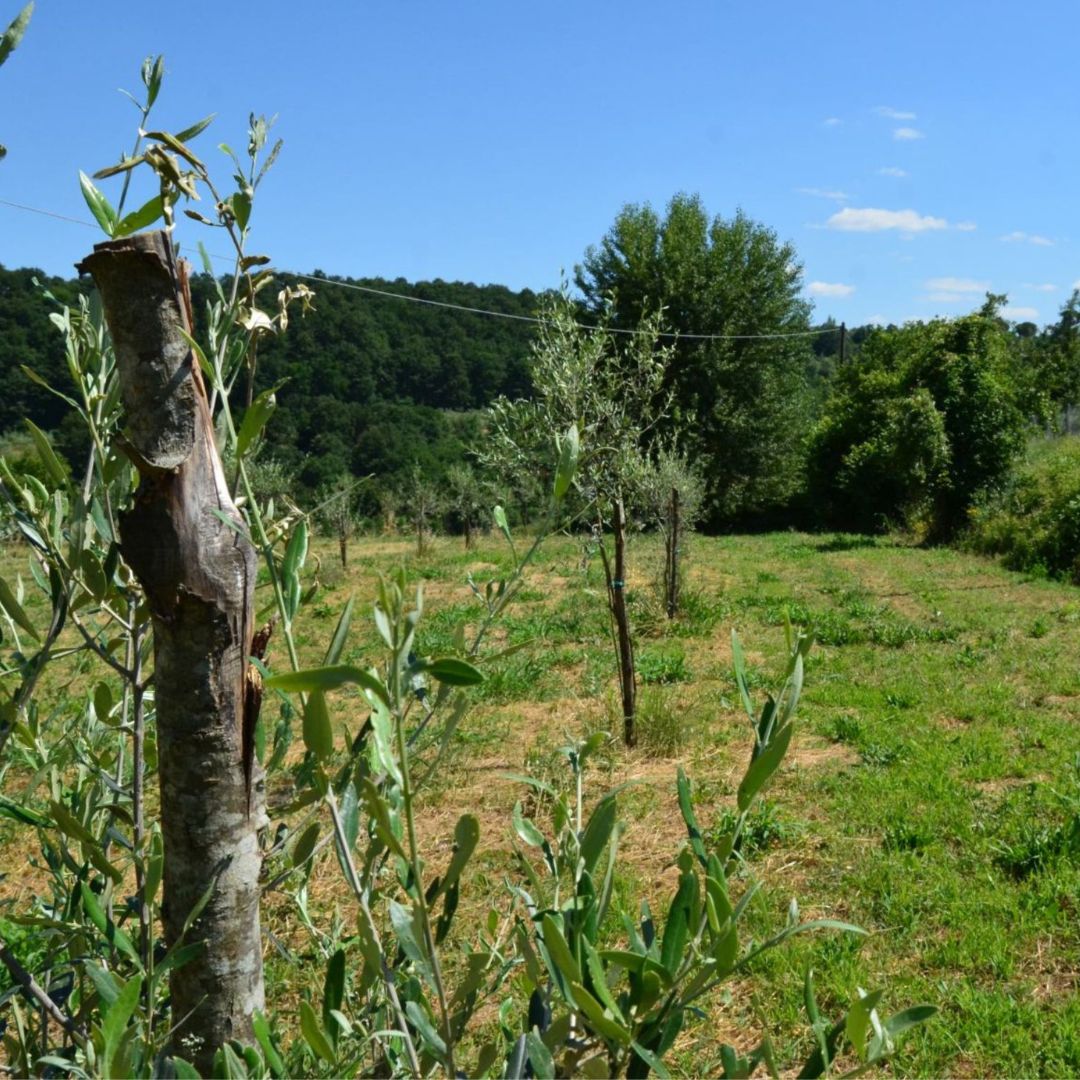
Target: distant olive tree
612	388
336	503
468	498
422	502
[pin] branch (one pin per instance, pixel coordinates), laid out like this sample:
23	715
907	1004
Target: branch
33	990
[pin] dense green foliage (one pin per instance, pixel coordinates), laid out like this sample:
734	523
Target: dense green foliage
368	384
926	419
1035	521
1047	364
717	277
915	426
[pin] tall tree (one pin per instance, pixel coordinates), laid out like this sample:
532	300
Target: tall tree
740	394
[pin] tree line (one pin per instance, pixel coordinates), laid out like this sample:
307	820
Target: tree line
918	420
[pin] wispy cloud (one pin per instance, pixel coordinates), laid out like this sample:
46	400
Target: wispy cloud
1019	237
894	114
1042	288
824	193
966	226
834	289
957	285
907	134
832	121
871	220
876	320
892	170
1019	314
948	297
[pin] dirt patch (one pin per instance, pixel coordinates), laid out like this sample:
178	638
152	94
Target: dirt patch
1050	976
809	754
1001	784
1062	701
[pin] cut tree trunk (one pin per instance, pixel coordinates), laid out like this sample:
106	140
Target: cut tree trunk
199	578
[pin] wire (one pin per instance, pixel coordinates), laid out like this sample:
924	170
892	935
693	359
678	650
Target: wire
534	319
47	213
539	321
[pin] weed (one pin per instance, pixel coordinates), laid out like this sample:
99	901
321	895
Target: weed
881	755
1036	846
662	666
699	614
897	699
661	723
845	728
905	836
968	657
517	678
764	828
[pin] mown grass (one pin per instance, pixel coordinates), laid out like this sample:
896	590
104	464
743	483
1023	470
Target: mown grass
932	795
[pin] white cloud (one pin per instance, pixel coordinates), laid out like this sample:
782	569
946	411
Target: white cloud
957	285
836	289
1042	288
906	134
892	170
876	320
894	114
824	193
1019	314
966	226
1019	237
832	121
948	298
870	220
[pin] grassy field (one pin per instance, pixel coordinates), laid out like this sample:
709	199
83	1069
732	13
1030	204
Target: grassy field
932	795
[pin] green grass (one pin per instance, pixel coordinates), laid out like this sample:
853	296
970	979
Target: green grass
933	795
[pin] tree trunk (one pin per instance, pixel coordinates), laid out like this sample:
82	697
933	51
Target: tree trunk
616	585
199	577
671	565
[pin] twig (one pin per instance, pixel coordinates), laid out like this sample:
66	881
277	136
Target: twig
33	990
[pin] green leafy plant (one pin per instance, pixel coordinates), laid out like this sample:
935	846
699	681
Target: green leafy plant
10	39
598	1010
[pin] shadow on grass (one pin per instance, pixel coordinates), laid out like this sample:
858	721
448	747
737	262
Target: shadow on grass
848	542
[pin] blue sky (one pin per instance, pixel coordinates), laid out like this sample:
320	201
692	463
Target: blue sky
916	154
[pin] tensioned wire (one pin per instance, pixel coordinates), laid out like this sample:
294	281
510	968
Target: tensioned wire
534	319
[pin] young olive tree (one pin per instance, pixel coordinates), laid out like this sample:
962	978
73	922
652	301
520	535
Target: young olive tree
337	512
467	498
673	503
150	555
612	389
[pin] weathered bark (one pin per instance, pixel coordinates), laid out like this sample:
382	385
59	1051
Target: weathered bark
199	577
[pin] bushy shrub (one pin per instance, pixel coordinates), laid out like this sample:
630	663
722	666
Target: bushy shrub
925	420
1035	521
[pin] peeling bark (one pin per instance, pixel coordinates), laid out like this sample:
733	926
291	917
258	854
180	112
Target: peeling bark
199	577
